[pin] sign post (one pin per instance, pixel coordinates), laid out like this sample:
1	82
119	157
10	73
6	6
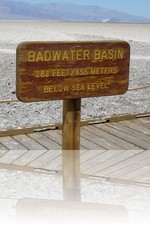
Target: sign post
70	149
71	124
70	71
71	175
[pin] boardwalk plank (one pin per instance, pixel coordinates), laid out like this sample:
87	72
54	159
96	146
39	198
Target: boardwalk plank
28	157
11	156
55	164
123	126
108	137
54	135
2	152
89	145
112	162
134	140
11	144
127	165
89	154
87	166
85	143
2	147
101	142
28	142
103	130
45	141
136	169
138	127
127	145
45	158
139	173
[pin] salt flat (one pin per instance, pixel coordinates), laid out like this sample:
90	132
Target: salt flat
14	32
17	31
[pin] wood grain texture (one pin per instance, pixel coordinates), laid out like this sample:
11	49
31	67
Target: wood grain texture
71	124
67	70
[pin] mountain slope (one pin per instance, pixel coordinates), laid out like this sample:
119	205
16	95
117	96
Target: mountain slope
63	12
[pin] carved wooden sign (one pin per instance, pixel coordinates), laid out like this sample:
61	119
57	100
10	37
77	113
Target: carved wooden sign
68	70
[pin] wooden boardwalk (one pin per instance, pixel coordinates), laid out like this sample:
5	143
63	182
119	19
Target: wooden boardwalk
133	134
118	151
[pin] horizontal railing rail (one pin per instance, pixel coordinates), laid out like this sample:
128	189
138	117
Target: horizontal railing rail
58	125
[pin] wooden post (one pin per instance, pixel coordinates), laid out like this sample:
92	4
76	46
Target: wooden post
71	124
71	175
70	149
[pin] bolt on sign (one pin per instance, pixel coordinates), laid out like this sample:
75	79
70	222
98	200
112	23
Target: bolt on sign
68	70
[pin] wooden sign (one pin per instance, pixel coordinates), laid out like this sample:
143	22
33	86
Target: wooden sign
68	70
40	211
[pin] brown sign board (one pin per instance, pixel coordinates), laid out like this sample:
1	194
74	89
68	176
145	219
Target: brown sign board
42	211
68	70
